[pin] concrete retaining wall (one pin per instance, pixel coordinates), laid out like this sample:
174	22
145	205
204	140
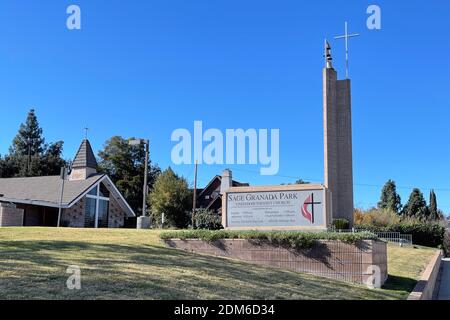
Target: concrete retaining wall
10	216
427	283
331	259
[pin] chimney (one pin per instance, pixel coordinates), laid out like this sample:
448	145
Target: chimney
227	181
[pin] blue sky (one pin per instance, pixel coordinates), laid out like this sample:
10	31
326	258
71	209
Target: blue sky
146	68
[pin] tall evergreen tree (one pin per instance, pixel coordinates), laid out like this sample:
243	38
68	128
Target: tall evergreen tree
29	155
390	199
433	208
416	206
29	140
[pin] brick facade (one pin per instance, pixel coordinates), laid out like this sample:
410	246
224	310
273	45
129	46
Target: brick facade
10	215
74	216
116	217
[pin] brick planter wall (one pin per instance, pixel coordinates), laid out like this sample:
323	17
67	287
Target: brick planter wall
331	259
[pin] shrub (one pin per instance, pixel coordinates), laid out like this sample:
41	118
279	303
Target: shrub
358	216
423	233
446	245
206	219
294	240
341	224
376	217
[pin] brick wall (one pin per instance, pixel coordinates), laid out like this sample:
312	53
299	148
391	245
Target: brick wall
426	285
116	217
74	217
10	215
331	259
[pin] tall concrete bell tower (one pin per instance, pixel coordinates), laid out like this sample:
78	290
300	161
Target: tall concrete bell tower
337	119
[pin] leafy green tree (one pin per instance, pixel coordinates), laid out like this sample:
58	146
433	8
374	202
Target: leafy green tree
124	164
8	167
390	199
416	205
171	195
433	208
51	161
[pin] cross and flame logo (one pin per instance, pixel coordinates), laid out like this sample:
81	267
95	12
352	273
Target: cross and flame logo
307	214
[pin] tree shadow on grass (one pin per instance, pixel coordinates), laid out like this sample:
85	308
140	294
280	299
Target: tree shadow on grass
37	270
396	283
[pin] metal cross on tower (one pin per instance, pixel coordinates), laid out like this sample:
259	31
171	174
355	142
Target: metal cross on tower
346	36
86	133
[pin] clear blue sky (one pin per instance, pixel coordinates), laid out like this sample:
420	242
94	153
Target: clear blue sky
145	68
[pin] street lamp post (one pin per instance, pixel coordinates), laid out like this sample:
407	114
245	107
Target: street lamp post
136	142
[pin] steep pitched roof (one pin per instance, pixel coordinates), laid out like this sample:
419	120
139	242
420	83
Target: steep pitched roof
44	191
85	157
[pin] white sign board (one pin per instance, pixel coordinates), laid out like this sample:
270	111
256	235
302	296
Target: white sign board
275	208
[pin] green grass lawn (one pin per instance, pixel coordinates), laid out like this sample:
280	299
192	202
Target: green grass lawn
134	264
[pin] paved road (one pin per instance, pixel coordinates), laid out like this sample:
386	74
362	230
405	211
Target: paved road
444	287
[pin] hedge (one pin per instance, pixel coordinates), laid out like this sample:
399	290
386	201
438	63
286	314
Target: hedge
295	240
424	234
205	219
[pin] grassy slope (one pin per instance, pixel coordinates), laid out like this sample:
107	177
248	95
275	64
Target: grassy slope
405	265
132	264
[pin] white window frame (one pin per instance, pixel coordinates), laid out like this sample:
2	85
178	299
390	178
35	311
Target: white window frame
97	202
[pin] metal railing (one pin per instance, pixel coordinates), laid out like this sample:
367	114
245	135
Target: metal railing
392	237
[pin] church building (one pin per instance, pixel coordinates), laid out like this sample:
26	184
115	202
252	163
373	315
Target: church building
89	199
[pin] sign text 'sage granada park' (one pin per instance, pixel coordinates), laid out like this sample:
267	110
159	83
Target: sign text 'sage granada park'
290	207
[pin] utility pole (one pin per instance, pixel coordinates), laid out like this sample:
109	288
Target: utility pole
194	202
144	202
63	178
138	142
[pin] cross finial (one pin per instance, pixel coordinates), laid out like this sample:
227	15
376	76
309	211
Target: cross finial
346	36
86	129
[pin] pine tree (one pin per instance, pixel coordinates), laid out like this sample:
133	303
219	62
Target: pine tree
29	155
390	199
416	206
433	208
29	140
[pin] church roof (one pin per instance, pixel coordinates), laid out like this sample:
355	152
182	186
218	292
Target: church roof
44	191
85	157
